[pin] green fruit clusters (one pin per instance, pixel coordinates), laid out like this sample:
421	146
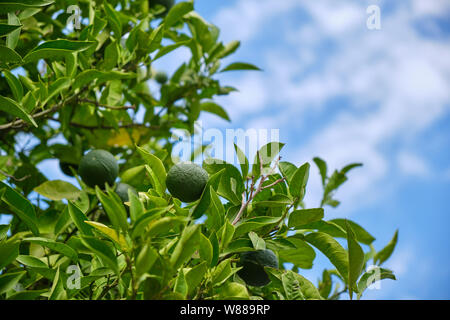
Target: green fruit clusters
97	168
186	181
253	263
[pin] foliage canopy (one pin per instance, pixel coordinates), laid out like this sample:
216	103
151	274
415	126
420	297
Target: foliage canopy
65	90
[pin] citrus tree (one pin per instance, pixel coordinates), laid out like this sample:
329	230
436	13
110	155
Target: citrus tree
74	86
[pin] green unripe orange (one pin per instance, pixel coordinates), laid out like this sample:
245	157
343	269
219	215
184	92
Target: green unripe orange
253	263
161	77
186	181
98	167
122	191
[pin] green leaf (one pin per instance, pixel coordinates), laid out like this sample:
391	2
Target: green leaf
114	208
309	291
355	261
226	234
145	259
57	291
112	55
167	49
10	106
322	165
258	243
385	253
31	261
9	280
240	66
216	215
56	49
144	221
195	276
299	218
27	295
180	285
78	218
4	228
243	161
351	166
113	19
56	88
9	56
299	180
302	255
177	12
15	5
266	154
14	84
155	164
251	224
205	199
88	76
103	250
136	206
58	190
6	29
361	234
222	272
205	249
332	250
21	206
214	108
186	246
112	234
372	276
8	252
13	38
287	170
233	291
55	246
291	286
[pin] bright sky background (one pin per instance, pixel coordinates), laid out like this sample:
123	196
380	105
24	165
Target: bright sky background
348	94
338	90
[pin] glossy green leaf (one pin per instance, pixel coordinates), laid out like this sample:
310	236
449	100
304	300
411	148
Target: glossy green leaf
240	66
205	199
12	107
56	49
298	218
20	205
355	260
8	252
55	246
186	246
214	108
9	280
58	190
299	180
384	254
114	209
372	276
6	29
332	250
112	234
15	85
177	12
103	250
79	218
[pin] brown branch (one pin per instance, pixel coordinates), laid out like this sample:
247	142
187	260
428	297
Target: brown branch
14	178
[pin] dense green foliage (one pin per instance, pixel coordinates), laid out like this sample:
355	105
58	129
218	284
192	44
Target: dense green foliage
65	91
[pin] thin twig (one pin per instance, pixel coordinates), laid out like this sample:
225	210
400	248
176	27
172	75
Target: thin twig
14	178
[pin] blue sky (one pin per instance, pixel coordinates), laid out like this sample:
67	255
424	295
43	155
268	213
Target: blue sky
338	90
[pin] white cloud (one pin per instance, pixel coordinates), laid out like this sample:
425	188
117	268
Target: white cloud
412	164
396	82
